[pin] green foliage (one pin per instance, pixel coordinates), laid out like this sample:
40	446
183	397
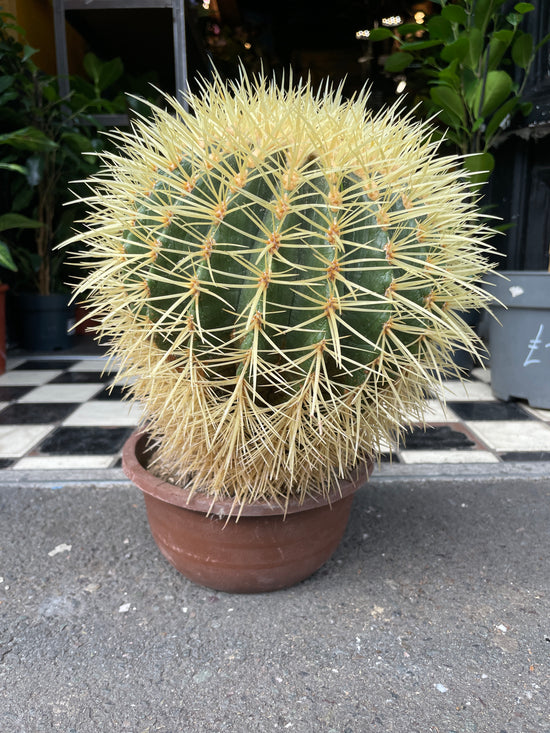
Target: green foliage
46	143
475	60
6	260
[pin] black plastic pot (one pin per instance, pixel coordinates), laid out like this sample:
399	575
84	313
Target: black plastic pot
45	321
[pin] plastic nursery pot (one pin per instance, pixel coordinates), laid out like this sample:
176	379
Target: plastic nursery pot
520	339
264	550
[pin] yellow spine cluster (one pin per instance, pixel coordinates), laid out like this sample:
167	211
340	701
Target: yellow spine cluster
274	342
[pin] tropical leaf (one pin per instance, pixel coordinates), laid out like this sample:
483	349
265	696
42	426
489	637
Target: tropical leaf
18	221
28	138
6	260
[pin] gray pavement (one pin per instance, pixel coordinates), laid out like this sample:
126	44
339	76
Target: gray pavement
433	617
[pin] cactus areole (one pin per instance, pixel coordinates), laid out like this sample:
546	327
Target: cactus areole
280	272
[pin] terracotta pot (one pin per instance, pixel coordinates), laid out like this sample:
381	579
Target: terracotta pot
263	550
84	323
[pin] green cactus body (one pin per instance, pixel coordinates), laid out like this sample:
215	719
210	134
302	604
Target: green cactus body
280	266
285	288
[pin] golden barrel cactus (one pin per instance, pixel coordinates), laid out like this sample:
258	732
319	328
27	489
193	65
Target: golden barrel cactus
281	273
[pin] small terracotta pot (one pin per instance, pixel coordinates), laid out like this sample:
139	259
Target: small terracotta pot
264	550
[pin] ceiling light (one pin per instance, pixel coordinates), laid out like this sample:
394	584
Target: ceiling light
392	20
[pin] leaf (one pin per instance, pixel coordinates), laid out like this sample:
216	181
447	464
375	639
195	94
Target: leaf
456	50
498	87
522	50
475	50
398	61
497	48
420	45
455	14
472	92
449	101
541	43
28	138
51	94
480	166
28	51
449	76
482	14
380	34
407	28
110	71
7	97
524	7
18	221
526	108
440	28
79	143
92	66
6	260
13	167
514	19
504	35
5	82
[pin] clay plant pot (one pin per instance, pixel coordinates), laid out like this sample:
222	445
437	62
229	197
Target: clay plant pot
263	550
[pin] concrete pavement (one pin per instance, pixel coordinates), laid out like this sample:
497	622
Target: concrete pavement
432	617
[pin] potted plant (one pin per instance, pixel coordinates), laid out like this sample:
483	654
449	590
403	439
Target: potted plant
46	142
468	66
278	273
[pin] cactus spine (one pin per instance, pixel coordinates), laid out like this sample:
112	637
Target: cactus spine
281	272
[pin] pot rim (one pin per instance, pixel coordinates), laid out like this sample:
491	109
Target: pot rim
132	456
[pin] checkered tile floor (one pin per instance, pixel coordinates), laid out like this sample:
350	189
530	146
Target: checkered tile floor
61	413
58	413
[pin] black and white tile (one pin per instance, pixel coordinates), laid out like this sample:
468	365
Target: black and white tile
60	414
65	414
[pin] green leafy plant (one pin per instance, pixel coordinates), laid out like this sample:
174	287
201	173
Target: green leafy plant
279	273
476	60
13	221
46	142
